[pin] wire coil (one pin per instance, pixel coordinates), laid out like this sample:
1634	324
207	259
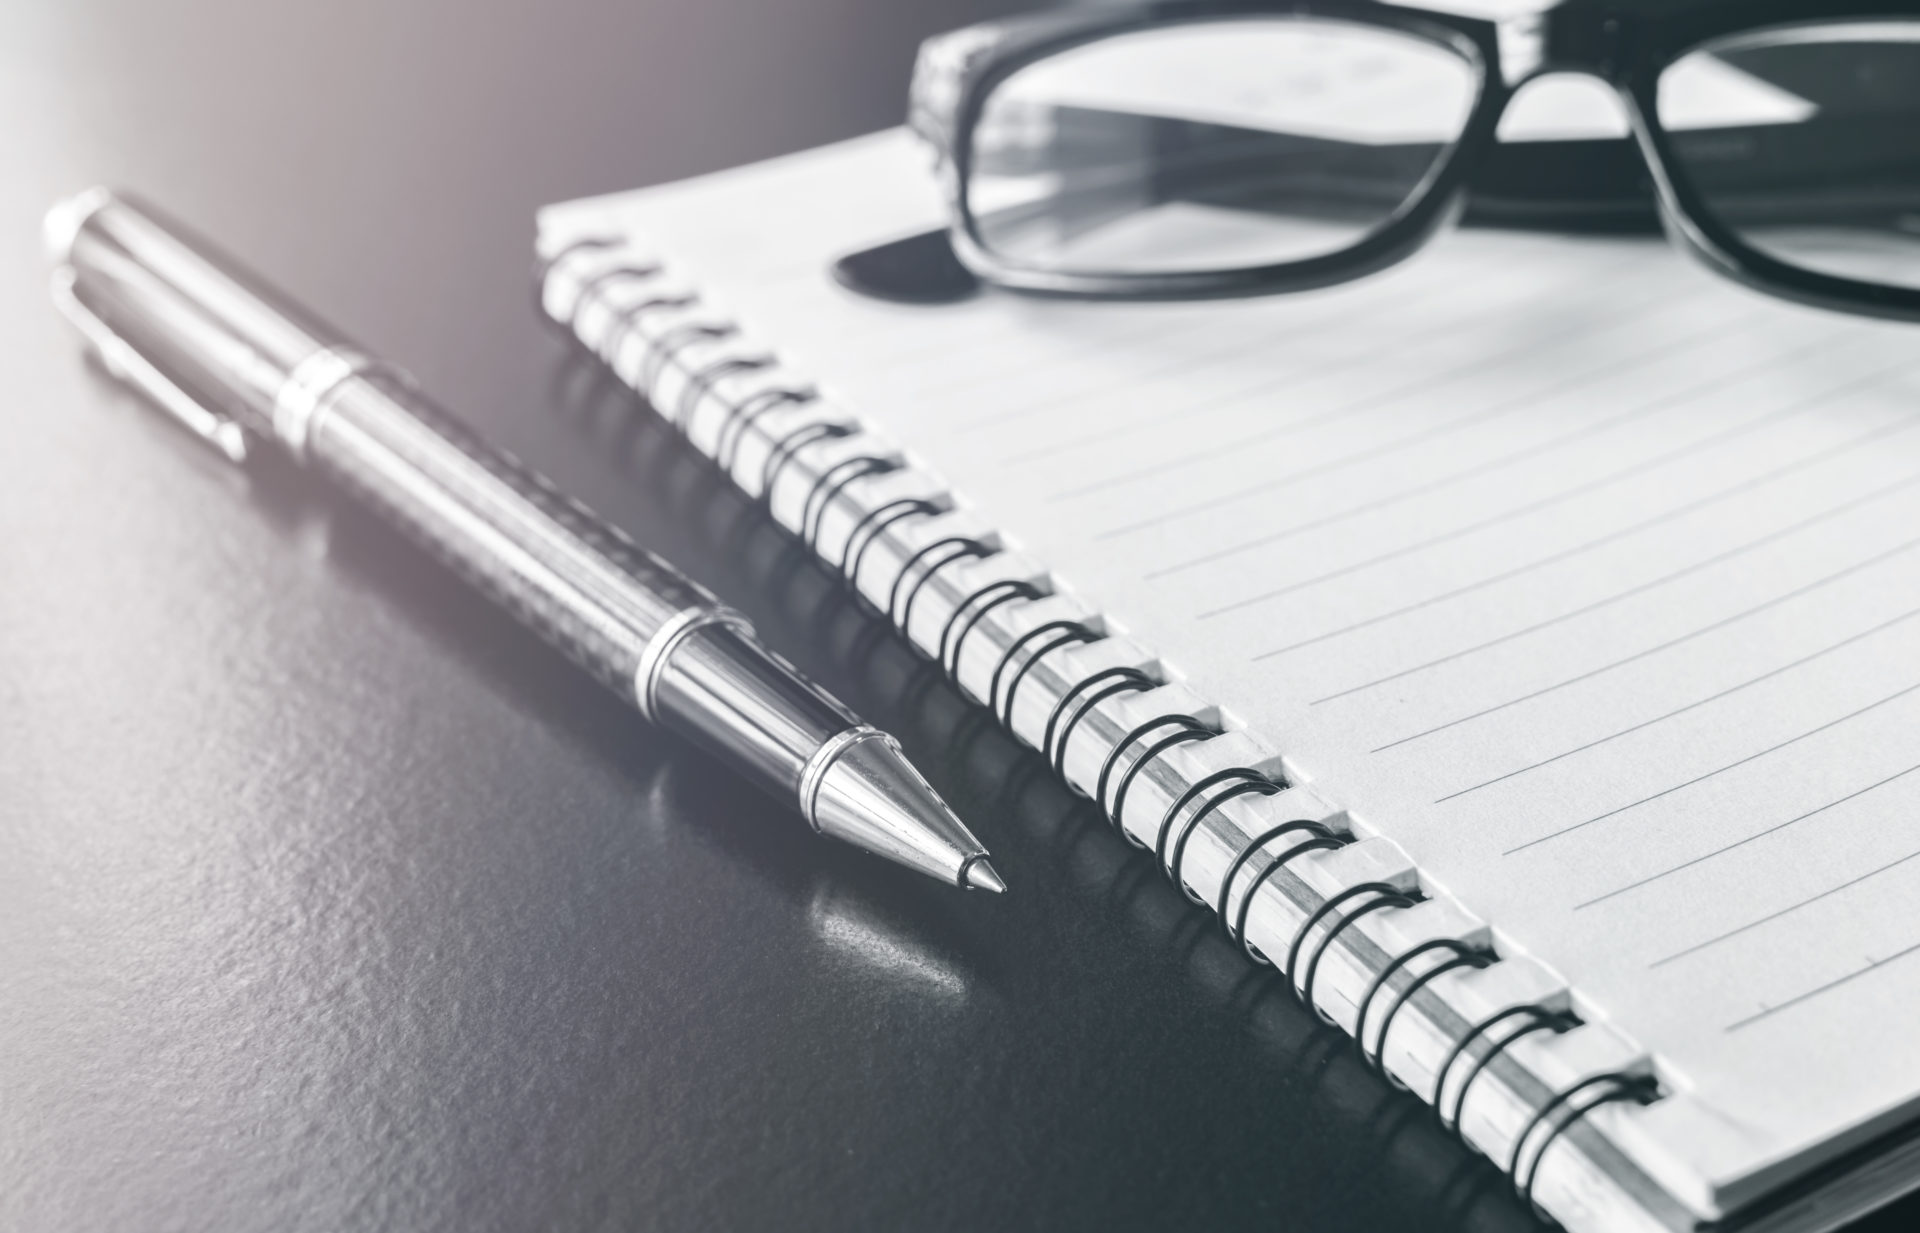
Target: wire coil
1064	633
1386	899
1239	930
873	525
701	383
1257	844
1463	956
1116	680
1617	1085
784	450
1189	728
743	415
1248	783
829	485
957	548
1538	1019
988	597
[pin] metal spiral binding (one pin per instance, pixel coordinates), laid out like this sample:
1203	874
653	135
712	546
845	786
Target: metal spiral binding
961	547
1538	1019
988	597
742	415
791	444
1326	909
1464	955
663	350
624	320
873	525
593	285
1236	930
1643	1089
544	265
1065	633
1123	680
1187	729
829	485
702	381
1388	898
1138	747
1176	865
1317	843
1245	780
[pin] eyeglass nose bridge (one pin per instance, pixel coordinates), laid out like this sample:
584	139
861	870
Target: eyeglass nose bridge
1522	44
1568	37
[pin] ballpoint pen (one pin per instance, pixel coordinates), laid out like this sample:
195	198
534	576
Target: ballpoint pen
239	366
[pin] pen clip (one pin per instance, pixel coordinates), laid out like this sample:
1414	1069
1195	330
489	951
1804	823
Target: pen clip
125	363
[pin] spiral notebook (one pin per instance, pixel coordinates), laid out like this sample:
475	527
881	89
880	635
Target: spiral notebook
1519	650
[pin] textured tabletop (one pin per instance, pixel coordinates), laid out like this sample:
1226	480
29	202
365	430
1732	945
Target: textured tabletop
330	899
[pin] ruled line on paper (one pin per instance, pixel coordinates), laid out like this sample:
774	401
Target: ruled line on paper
1531	507
1368	403
992	328
1583	610
781	280
1669	644
1717	558
1268	485
1695	705
981	328
1576	331
1873	965
1668	872
1103	433
1245	333
1596	605
1333	366
1268	383
1237	341
982	376
1665	402
1895	696
1791	908
919	342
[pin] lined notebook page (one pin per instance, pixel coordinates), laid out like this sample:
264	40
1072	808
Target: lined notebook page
1592	580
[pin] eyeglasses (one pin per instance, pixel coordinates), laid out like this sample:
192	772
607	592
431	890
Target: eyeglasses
1201	148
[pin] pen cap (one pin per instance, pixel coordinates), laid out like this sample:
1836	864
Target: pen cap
197	315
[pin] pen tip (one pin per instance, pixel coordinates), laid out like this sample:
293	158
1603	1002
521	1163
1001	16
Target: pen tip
981	876
870	796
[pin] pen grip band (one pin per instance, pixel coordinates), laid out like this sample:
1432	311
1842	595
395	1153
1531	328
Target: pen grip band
579	582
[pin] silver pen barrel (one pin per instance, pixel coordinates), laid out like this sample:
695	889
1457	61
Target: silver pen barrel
659	640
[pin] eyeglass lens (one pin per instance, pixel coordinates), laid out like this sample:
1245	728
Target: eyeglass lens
1213	145
1805	142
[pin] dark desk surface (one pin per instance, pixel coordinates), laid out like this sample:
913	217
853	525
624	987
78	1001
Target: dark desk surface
331	900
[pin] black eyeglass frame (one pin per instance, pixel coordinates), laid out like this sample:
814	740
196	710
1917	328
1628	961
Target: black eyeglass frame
1626	48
